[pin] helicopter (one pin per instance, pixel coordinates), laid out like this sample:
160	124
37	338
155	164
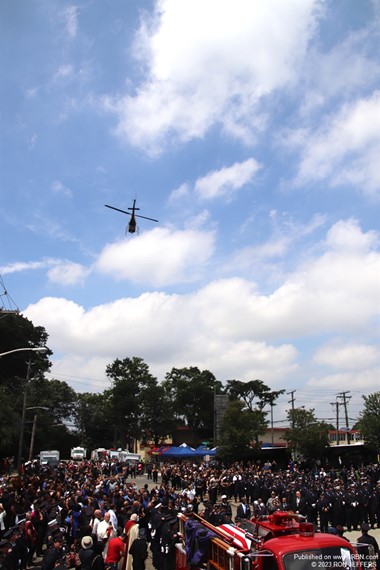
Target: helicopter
132	222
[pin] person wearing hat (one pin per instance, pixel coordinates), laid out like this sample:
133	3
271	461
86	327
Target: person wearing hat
16	549
155	527
226	510
139	551
340	532
86	553
98	560
54	553
169	538
366	538
323	506
131	530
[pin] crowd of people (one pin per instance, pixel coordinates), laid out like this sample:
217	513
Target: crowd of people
92	515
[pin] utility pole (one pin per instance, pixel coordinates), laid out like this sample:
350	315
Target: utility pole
346	399
336	406
31	446
291	401
22	426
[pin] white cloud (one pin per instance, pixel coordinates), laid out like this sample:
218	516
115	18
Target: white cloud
227	180
159	257
212	63
347	235
229	326
366	381
166	330
49	228
89	375
69	16
179	193
341	70
68	273
59	188
348	356
64	71
286	233
32	141
19	266
345	148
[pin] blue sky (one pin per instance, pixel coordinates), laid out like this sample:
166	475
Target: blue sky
251	131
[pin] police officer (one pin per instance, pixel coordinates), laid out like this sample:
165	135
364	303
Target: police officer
15	550
53	554
226	509
323	506
155	529
169	538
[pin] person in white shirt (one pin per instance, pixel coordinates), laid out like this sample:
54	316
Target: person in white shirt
113	516
3	514
95	521
105	531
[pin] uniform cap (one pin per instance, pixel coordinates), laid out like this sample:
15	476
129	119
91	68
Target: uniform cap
364	526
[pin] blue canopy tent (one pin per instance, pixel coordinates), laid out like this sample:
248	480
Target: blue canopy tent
202	451
181	451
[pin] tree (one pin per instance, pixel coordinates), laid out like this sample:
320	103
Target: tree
240	428
16	331
17	371
192	393
56	395
157	413
128	377
94	420
255	395
369	421
9	423
307	436
54	403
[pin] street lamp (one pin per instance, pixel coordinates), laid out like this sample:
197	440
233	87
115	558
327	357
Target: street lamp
34	429
34	349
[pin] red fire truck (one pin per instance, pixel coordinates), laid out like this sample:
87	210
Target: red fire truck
280	541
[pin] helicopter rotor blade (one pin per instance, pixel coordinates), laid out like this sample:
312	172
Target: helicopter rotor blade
146	218
118	210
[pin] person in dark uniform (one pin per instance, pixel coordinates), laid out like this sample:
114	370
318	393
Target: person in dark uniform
366	538
311	506
53	554
15	550
323	506
226	510
338	509
340	532
155	527
139	551
169	538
